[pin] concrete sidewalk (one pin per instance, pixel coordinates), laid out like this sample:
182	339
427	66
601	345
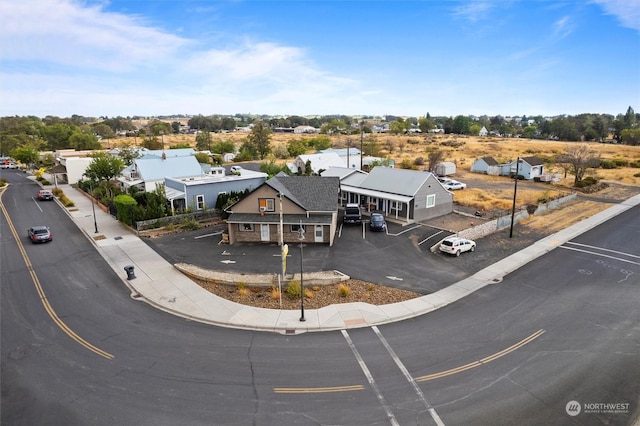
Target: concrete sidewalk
157	282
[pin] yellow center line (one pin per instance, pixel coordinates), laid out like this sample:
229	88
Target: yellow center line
43	296
319	390
428	377
482	361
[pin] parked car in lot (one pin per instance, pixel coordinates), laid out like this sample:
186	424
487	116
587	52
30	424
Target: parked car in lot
452	184
377	222
352	214
45	195
40	234
457	245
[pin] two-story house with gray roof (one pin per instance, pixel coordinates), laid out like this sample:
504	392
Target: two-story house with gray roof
282	207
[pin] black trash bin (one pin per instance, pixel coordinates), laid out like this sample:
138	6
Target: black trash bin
130	274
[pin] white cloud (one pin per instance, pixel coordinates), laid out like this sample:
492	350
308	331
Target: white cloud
64	33
626	11
562	28
66	58
472	11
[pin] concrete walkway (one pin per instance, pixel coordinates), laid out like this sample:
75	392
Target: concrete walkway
158	283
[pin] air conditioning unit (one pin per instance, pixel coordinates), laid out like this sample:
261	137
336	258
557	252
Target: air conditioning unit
263	209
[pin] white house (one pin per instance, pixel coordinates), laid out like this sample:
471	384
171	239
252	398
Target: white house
149	170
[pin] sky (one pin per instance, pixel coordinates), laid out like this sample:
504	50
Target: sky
296	57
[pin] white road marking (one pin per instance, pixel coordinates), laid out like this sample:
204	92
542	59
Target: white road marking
207	235
406	230
602	255
603	249
405	372
372	382
395	278
429	237
227	261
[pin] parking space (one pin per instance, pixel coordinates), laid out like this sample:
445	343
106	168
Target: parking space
398	257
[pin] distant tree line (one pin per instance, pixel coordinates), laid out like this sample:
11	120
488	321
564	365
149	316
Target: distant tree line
22	136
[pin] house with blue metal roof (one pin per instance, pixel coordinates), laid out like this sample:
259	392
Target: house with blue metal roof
147	172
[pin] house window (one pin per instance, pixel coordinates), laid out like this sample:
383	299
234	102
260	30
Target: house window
267	204
296	228
431	200
199	202
246	227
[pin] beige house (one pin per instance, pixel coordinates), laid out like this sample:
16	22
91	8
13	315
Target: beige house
279	209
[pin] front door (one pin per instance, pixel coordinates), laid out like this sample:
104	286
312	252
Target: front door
318	234
264	232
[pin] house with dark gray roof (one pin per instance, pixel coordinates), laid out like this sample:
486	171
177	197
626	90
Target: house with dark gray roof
529	167
486	165
401	194
284	208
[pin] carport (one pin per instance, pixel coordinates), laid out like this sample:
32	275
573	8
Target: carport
391	204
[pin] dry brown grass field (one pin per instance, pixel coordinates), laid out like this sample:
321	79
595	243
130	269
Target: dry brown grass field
494	193
463	150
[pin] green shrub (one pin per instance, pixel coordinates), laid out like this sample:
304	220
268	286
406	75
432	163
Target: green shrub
293	290
190	224
588	181
608	164
126	206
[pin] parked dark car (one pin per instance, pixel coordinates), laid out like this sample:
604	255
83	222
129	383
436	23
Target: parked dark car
39	234
45	195
377	222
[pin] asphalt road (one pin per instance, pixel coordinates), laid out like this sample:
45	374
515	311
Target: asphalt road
563	328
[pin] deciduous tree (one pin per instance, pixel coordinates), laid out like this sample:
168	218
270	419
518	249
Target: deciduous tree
260	138
578	159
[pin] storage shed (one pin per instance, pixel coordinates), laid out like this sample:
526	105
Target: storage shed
445	168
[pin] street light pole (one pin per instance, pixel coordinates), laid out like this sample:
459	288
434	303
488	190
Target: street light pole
515	189
301	238
361	141
93	207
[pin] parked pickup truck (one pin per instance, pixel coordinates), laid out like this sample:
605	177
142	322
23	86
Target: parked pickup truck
352	214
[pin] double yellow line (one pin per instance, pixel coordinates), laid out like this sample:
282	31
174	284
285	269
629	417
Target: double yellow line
433	376
482	361
43	296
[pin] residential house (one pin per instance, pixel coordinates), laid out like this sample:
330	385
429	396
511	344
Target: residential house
529	167
319	162
71	165
282	207
147	172
486	165
201	192
406	195
483	131
305	129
